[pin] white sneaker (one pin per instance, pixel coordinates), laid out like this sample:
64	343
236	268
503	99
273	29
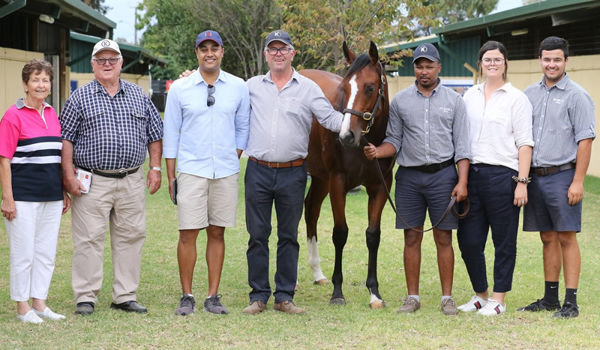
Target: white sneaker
492	308
49	314
474	304
30	317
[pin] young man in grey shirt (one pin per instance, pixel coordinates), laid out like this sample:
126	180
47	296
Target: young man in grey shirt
563	131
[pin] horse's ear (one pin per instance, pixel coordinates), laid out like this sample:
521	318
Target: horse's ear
348	53
374	53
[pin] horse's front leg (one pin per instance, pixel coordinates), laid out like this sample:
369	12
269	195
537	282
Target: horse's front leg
377	199
337	196
312	208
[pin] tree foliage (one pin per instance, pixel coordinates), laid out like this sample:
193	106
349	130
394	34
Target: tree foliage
172	27
97	5
318	28
453	11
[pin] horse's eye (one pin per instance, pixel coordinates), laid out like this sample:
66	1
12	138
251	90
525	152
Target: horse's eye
370	89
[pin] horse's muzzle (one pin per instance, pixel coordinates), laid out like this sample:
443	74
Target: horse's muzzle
350	139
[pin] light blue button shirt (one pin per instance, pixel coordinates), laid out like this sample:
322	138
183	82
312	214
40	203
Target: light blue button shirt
203	138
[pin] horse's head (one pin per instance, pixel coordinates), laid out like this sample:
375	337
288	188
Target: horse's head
363	95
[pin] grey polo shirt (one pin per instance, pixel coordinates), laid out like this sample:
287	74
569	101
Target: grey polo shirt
562	116
428	130
280	121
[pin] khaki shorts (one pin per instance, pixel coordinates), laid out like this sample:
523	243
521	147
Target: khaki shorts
202	202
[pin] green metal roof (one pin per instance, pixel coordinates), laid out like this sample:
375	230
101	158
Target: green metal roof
519	29
538	9
432	39
73	14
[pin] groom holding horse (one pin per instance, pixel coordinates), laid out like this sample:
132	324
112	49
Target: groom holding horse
428	130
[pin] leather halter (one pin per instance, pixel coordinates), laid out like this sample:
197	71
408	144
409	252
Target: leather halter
368	116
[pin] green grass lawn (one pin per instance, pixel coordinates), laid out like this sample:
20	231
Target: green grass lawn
329	327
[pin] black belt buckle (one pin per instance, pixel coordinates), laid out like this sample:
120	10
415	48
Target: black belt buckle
434	168
118	175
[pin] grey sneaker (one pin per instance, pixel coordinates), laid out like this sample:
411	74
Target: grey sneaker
213	304
410	305
186	305
449	307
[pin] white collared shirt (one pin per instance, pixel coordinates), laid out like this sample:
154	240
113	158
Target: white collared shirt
500	126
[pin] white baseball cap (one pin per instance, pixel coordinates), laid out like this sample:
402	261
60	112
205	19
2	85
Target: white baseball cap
106	44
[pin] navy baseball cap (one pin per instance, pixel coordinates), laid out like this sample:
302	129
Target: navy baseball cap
427	51
209	35
279	35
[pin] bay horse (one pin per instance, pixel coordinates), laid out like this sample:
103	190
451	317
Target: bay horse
337	163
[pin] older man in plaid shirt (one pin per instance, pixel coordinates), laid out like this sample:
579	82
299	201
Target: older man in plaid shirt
107	126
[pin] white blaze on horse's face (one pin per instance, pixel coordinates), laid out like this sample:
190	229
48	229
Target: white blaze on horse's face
348	116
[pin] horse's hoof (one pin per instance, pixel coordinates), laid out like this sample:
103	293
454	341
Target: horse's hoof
337	301
378	304
321	282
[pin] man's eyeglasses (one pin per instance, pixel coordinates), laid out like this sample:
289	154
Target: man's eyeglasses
273	50
112	60
496	60
210	100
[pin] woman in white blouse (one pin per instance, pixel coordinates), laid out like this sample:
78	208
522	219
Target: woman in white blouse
501	144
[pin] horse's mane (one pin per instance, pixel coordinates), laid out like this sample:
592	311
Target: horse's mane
359	63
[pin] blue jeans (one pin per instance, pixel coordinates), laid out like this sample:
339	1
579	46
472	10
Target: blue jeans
284	187
491	193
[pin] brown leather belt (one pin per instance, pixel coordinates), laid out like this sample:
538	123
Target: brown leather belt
279	165
432	168
116	174
551	170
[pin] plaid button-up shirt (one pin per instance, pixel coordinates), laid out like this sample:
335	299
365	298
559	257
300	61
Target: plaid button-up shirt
110	133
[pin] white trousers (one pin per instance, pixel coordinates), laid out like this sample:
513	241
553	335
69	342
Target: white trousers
33	235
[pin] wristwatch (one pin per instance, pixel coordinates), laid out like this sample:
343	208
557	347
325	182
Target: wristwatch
523	180
157	168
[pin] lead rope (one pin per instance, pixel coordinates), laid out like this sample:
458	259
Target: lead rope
451	208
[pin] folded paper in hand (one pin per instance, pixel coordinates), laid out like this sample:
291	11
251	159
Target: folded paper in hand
85	177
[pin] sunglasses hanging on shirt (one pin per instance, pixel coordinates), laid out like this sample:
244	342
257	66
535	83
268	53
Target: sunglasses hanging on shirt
210	100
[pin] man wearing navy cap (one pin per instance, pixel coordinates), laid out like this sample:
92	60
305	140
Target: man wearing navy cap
283	103
206	129
428	130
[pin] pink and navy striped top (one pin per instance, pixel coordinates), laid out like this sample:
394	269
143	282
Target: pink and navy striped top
33	143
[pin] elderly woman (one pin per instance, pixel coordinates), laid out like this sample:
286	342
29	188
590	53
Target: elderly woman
32	196
501	144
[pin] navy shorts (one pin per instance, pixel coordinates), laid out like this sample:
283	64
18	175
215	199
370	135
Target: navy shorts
548	206
417	191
